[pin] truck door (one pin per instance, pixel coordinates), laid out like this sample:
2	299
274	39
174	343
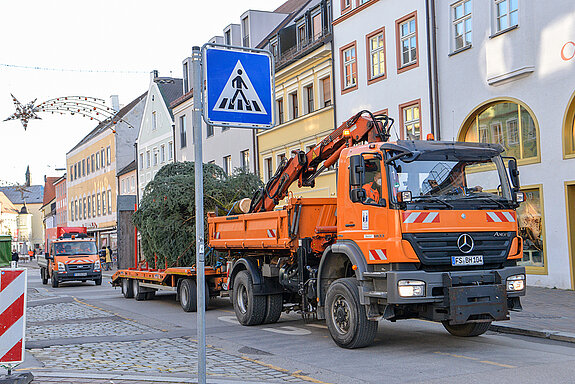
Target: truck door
364	218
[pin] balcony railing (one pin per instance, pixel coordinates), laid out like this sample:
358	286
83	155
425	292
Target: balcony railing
302	46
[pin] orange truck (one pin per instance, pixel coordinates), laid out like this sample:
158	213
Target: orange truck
419	229
71	256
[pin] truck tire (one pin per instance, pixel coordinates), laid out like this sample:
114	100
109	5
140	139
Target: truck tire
98	281
127	288
467	330
188	295
274	308
139	295
150	295
55	282
44	276
345	316
250	309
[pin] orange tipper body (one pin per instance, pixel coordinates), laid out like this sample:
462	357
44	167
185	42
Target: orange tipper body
72	256
441	243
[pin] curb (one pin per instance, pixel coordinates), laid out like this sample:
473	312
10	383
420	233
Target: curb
542	334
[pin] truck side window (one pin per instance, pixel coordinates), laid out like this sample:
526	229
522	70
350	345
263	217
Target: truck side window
373	182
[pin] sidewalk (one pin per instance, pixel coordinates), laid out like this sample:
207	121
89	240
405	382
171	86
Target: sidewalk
547	313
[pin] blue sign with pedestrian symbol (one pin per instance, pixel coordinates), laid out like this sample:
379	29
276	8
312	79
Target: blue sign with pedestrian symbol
239	87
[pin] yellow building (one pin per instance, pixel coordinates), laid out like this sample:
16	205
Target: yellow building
91	167
303	84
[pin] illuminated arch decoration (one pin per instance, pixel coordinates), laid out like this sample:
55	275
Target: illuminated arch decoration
569	130
84	106
504	121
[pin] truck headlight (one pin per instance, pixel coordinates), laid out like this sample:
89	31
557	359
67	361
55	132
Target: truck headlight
411	288
61	267
97	265
516	283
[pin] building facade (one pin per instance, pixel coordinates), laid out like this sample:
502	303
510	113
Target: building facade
48	209
8	217
91	187
61	202
304	108
155	143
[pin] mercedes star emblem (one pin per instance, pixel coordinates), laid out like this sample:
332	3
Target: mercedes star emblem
465	243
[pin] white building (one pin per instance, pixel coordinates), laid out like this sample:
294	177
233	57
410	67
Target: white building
505	77
155	143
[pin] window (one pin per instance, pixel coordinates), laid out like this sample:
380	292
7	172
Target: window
92	162
88	165
228	37
316	26
274	49
109	202
209	130
461	13
170	150
162	153
84	207
376	56
308	92
141	161
245	159
108	155
345	6
93	205
506	14
79	202
410	120
531	228
406	32
326	91
154	121
186	83
155	156
183	140
83	167
569	131
227	165
280	110
294	111
372	187
103	203
102	158
245	32
301	38
75	171
89	207
268	169
133	184
71	172
98	203
281	159
348	67
148	159
503	122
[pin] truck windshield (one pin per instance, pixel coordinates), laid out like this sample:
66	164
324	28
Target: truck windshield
75	248
451	183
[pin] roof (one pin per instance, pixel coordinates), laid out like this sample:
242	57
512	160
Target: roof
293	7
108	123
6	205
127	169
170	89
290	6
49	190
34	194
181	99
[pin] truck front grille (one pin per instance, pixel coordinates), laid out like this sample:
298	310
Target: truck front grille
437	248
79	267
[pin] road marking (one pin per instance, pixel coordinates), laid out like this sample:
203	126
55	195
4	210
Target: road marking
476	359
317	326
289	330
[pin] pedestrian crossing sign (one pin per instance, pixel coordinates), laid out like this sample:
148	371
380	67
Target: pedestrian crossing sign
238	87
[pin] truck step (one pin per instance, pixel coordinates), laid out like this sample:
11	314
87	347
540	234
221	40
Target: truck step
380	275
376	294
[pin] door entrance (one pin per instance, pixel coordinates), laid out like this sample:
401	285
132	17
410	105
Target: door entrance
570	192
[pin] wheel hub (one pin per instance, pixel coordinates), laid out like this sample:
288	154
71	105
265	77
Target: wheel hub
242	299
341	314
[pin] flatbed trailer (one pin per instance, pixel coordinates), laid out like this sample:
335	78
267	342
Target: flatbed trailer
143	283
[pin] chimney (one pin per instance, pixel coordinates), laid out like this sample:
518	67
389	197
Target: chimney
154	75
115	102
28	178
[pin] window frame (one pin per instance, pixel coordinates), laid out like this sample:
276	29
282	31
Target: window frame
280	110
227	164
368	52
462	19
293	103
403	68
323	81
342	50
345	8
245	160
413	103
309	102
568	130
495	19
183	132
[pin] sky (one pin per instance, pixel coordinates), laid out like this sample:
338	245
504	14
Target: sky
73	37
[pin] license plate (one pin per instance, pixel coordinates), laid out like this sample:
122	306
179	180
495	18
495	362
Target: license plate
466	260
80	274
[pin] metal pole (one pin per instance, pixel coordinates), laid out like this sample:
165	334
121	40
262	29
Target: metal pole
198	167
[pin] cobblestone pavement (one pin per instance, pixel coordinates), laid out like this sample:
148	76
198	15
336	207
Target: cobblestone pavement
156	356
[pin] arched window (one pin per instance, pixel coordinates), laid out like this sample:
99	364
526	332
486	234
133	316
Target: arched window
505	122
569	130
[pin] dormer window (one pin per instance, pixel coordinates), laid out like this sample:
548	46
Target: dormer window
245	32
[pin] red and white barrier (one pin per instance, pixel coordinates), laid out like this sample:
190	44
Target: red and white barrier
13	284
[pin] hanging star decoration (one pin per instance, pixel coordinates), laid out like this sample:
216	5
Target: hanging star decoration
91	107
24	112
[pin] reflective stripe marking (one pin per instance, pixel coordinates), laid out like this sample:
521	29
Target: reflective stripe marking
10	338
509	217
500	217
420	217
271	233
410	217
377	255
492	217
430	217
12	315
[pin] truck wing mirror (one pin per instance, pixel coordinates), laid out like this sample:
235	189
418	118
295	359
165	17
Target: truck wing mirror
357	195
47	256
513	173
356	170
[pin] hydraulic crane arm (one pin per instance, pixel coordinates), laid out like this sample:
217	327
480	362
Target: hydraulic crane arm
304	166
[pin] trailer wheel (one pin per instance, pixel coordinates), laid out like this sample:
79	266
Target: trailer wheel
250	309
274	307
150	295
467	330
44	276
55	282
127	288
345	316
188	295
139	295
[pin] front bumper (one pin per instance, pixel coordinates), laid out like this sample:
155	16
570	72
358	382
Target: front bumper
457	296
78	276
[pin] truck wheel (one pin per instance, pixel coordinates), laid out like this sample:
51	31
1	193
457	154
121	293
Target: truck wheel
274	307
138	294
127	288
188	295
250	309
467	330
345	316
98	281
44	276
55	282
150	295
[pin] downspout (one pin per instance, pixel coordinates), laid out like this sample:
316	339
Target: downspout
137	174
174	141
432	74
256	151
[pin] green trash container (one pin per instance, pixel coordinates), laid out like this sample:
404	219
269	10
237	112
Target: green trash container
5	250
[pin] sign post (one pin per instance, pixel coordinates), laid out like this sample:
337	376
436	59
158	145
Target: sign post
239	92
